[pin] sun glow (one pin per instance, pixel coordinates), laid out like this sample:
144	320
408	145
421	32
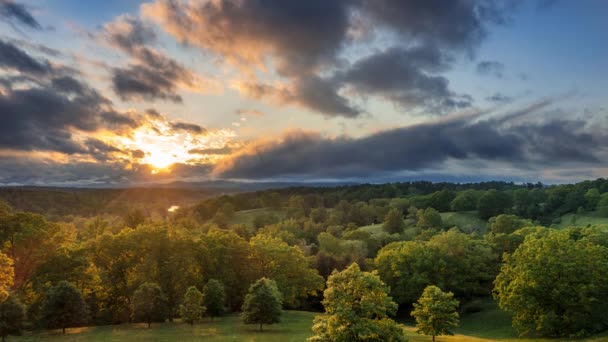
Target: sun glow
160	146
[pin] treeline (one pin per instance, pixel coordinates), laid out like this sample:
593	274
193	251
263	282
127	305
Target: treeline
57	203
554	282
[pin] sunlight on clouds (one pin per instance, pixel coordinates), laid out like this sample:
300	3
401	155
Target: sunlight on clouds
163	146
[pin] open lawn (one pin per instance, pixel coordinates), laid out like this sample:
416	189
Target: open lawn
246	216
467	221
490	324
295	326
581	220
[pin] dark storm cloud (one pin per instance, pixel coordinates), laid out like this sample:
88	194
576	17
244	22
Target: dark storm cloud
406	77
456	24
68	84
188	127
42	118
11	57
491	68
11	10
303	40
417	148
153	75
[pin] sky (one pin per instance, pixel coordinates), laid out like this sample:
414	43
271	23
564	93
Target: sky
126	92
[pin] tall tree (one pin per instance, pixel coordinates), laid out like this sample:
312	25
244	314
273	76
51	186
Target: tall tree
435	312
149	304
263	303
357	308
287	266
393	222
192	308
64	307
555	285
12	314
214	298
6	275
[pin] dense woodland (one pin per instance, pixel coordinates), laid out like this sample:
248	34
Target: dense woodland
299	247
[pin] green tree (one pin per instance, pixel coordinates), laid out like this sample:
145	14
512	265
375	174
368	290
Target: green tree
465	201
602	205
555	285
287	266
263	303
452	260
592	198
493	203
393	222
213	298
192	308
507	224
12	314
134	218
442	199
64	307
357	308
149	304
429	218
6	275
435	312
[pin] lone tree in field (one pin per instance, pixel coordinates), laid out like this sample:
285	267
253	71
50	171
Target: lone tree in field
263	303
435	312
64	307
149	304
214	297
357	308
192	308
393	222
12	313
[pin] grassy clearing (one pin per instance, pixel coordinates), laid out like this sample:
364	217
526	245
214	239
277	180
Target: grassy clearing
295	326
581	220
468	221
490	324
246	216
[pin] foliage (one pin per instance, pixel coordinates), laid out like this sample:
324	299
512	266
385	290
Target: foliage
287	266
357	308
6	275
263	303
555	285
192	308
149	304
64	307
429	218
12	314
435	312
452	260
507	224
493	203
393	222
214	298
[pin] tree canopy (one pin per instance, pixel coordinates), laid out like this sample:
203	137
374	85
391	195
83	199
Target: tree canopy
263	303
357	308
435	312
555	285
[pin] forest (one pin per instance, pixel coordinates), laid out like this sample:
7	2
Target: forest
370	262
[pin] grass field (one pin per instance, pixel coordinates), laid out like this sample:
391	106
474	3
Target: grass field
490	324
246	216
581	220
467	221
295	326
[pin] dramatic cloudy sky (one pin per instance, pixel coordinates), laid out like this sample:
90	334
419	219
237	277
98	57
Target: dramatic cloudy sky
121	92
